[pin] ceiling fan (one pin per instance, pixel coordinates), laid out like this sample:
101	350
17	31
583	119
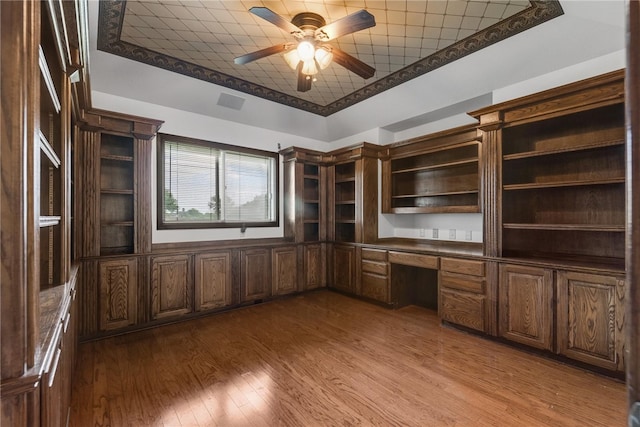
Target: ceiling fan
311	52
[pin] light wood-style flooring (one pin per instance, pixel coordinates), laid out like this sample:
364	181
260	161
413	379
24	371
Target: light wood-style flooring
324	359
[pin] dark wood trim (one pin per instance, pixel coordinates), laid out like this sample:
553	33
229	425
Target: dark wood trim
632	86
213	245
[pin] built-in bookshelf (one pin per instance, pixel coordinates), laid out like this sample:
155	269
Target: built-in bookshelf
345	202
563	187
117	212
311	202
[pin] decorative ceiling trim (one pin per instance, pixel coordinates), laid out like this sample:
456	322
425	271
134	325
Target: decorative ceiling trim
111	17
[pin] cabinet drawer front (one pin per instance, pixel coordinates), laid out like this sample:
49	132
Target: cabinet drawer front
459	281
462	266
416	260
374	254
462	309
376	287
374	267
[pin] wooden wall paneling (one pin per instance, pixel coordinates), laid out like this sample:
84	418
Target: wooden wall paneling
118	293
632	259
142	195
284	270
590	323
255	274
213	280
87	195
369	200
490	190
144	290
171	286
236	276
525	305
88	294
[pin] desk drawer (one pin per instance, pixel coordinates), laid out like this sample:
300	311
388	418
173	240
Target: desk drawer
459	281
462	309
416	260
374	267
374	254
375	287
462	266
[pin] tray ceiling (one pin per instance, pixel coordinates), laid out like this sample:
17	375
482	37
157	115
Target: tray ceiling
200	39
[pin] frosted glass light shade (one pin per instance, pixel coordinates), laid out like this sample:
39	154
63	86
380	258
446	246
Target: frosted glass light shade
305	50
323	57
310	68
292	58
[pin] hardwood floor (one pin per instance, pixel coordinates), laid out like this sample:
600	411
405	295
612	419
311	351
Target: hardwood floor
327	359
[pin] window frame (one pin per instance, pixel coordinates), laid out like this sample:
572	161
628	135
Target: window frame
162	138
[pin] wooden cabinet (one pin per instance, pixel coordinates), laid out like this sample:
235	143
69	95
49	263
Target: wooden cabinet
375	282
353	194
435	173
284	270
591	325
462	293
118	293
171	286
315	266
255	273
343	261
526	305
304	195
213	280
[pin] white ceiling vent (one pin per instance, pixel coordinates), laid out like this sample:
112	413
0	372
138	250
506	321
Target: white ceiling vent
230	101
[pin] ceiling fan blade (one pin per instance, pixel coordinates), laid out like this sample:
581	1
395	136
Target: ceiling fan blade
304	83
277	20
352	64
349	24
249	57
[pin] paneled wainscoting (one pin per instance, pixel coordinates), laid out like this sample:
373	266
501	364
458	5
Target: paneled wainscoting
326	359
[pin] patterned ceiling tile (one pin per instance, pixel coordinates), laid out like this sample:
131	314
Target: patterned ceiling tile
201	38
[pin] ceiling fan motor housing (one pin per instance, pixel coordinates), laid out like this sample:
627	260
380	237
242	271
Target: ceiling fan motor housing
308	21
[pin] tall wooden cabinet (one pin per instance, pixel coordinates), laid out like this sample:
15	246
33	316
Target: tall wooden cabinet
42	82
113	225
556	216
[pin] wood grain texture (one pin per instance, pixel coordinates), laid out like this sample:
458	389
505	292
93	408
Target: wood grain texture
525	305
326	359
315	266
591	319
462	308
171	286
343	267
118	291
632	104
213	280
284	270
255	273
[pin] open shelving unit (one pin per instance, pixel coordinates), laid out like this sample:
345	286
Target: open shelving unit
563	187
439	174
117	212
311	202
345	202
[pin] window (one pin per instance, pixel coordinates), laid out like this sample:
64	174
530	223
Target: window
204	184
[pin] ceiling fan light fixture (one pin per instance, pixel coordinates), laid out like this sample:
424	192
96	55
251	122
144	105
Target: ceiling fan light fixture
306	50
324	57
309	67
292	58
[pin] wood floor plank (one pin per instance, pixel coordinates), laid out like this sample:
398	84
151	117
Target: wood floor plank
326	359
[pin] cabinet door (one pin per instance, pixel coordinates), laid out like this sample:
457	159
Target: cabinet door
118	290
213	280
285	271
171	290
344	262
526	298
314	267
256	274
591	319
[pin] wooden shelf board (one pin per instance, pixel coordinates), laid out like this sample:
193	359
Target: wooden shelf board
117	158
345	180
311	201
435	209
345	221
444	193
48	221
346	202
46	75
311	221
116	223
115	191
599	144
438	166
312	177
48	150
565	227
556	184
